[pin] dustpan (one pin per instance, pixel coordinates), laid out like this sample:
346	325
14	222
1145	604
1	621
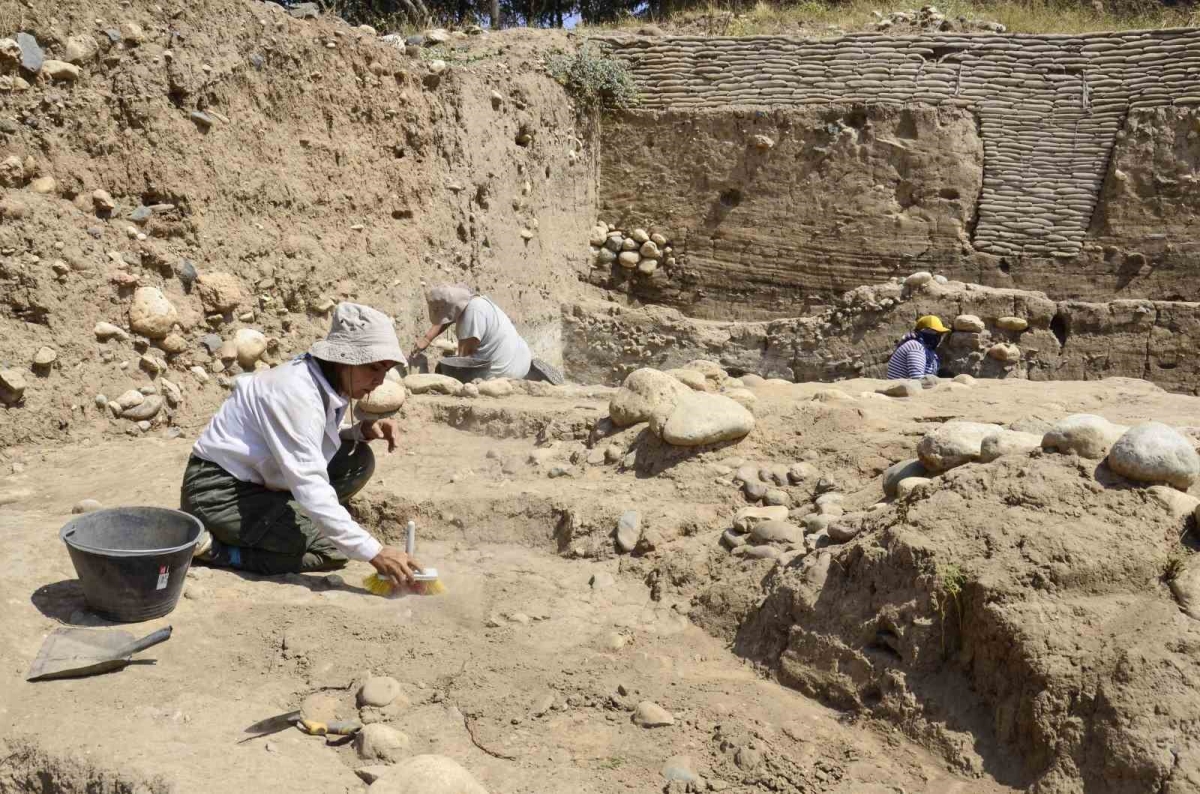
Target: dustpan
74	653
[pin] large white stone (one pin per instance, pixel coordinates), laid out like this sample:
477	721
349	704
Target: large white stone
1155	453
900	471
151	314
969	323
644	392
1008	442
387	397
699	418
251	345
427	774
1087	435
419	383
378	742
776	532
953	444
748	517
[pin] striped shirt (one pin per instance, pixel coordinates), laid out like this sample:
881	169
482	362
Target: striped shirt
911	360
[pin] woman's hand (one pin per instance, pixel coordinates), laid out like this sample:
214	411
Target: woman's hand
382	430
395	564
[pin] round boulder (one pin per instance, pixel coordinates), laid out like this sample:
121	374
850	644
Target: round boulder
969	323
250	346
151	314
1004	352
419	383
220	292
1014	324
700	418
1087	435
428	774
1008	442
386	398
378	690
901	471
953	444
1155	453
776	532
644	392
378	742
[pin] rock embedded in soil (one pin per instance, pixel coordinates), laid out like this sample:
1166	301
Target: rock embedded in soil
428	774
1013	324
220	292
145	410
80	49
500	387
969	323
432	384
32	57
681	768
1005	352
645	392
44	357
378	742
1087	435
1008	442
748	517
629	529
151	314
251	345
378	691
905	487
701	418
651	715
903	388
129	399
953	444
776	532
61	71
1155	453
86	506
387	397
1185	586
802	472
900	471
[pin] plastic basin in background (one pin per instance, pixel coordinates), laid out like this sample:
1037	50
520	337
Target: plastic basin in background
132	561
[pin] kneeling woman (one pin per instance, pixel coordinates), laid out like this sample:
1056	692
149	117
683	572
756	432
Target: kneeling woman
488	343
271	472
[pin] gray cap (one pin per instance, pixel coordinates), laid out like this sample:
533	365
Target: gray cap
359	335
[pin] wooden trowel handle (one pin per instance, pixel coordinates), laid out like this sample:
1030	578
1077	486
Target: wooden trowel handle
149	641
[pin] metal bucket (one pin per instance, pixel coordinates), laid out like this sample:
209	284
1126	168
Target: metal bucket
131	561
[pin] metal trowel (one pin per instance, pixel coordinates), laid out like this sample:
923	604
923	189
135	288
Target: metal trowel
74	653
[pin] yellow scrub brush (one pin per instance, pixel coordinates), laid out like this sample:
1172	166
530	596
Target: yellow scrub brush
425	583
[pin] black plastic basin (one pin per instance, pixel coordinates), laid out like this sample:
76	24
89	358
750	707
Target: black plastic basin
131	561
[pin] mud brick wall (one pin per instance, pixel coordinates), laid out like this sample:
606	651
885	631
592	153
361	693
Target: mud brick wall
1089	154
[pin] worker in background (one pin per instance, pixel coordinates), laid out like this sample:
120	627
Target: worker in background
273	468
916	355
488	343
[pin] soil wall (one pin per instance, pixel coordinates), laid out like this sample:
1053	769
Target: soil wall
309	161
788	170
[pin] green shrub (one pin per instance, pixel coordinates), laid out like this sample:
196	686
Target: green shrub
594	79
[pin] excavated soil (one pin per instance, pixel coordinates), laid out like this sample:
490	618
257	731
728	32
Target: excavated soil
1061	665
538	606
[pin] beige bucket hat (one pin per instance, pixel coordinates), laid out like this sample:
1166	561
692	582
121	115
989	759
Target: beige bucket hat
447	301
359	335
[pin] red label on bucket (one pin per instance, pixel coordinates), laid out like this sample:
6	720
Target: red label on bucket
164	573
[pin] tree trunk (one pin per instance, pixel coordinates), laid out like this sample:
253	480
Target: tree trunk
495	14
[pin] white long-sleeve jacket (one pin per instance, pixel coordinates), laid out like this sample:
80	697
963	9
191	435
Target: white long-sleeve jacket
280	429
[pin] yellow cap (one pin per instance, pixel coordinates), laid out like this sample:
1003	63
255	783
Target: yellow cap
932	323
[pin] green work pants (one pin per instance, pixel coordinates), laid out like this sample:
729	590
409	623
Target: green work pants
268	530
